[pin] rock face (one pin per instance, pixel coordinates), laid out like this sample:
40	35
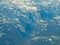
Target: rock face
29	22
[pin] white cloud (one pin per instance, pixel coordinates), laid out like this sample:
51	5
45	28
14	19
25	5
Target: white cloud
24	4
45	3
1	34
57	17
21	28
